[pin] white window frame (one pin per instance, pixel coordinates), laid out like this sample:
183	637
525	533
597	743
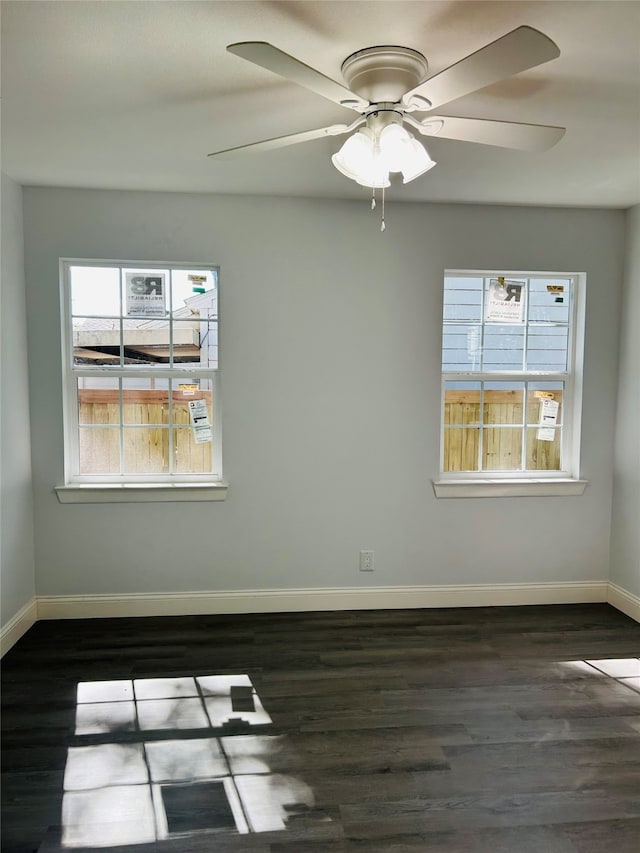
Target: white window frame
108	488
515	483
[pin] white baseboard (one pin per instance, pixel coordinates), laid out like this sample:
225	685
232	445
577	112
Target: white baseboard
19	625
300	600
624	601
296	600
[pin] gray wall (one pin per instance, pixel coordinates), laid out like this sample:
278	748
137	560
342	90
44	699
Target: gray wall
17	576
330	341
625	543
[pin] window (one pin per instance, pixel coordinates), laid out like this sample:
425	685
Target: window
140	374
510	387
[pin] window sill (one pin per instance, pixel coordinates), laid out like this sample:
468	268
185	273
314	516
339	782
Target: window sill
140	492
507	488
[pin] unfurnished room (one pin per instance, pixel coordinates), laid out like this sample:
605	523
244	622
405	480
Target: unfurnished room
320	515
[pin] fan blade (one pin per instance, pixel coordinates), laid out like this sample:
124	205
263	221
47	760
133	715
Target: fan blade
283	141
517	51
267	56
503	134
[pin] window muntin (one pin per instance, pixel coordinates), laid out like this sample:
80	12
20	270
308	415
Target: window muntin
500	364
141	373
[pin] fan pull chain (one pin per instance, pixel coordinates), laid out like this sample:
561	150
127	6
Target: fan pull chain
382	222
373	198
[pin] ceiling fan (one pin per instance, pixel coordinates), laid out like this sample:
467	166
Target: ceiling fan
386	86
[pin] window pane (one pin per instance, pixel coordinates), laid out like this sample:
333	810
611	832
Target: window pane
461	449
461	345
209	339
547	347
98	400
501	449
95	341
503	402
503	347
191	457
146	403
147	343
549	300
543	455
505	300
99	450
145	293
537	392
189	293
95	290
146	451
462	403
189	389
193	426
187	335
463	299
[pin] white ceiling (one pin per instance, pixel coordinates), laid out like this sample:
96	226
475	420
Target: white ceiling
133	95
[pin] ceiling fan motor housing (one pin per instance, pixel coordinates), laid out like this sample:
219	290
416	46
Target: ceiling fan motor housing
384	73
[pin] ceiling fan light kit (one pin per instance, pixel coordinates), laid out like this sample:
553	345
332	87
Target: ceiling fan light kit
382	147
386	84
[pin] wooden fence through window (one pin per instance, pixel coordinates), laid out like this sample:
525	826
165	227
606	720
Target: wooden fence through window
501	423
145	429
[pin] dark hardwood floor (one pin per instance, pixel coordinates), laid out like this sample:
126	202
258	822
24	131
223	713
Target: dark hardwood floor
483	730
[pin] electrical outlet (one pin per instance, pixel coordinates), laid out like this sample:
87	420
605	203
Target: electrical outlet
366	561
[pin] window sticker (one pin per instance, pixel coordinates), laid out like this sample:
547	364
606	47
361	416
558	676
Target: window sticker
548	417
200	421
146	295
198	283
505	301
188	389
556	290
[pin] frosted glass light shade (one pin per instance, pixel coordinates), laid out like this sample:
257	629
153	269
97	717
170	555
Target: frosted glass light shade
393	146
369	163
359	160
377	178
417	161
